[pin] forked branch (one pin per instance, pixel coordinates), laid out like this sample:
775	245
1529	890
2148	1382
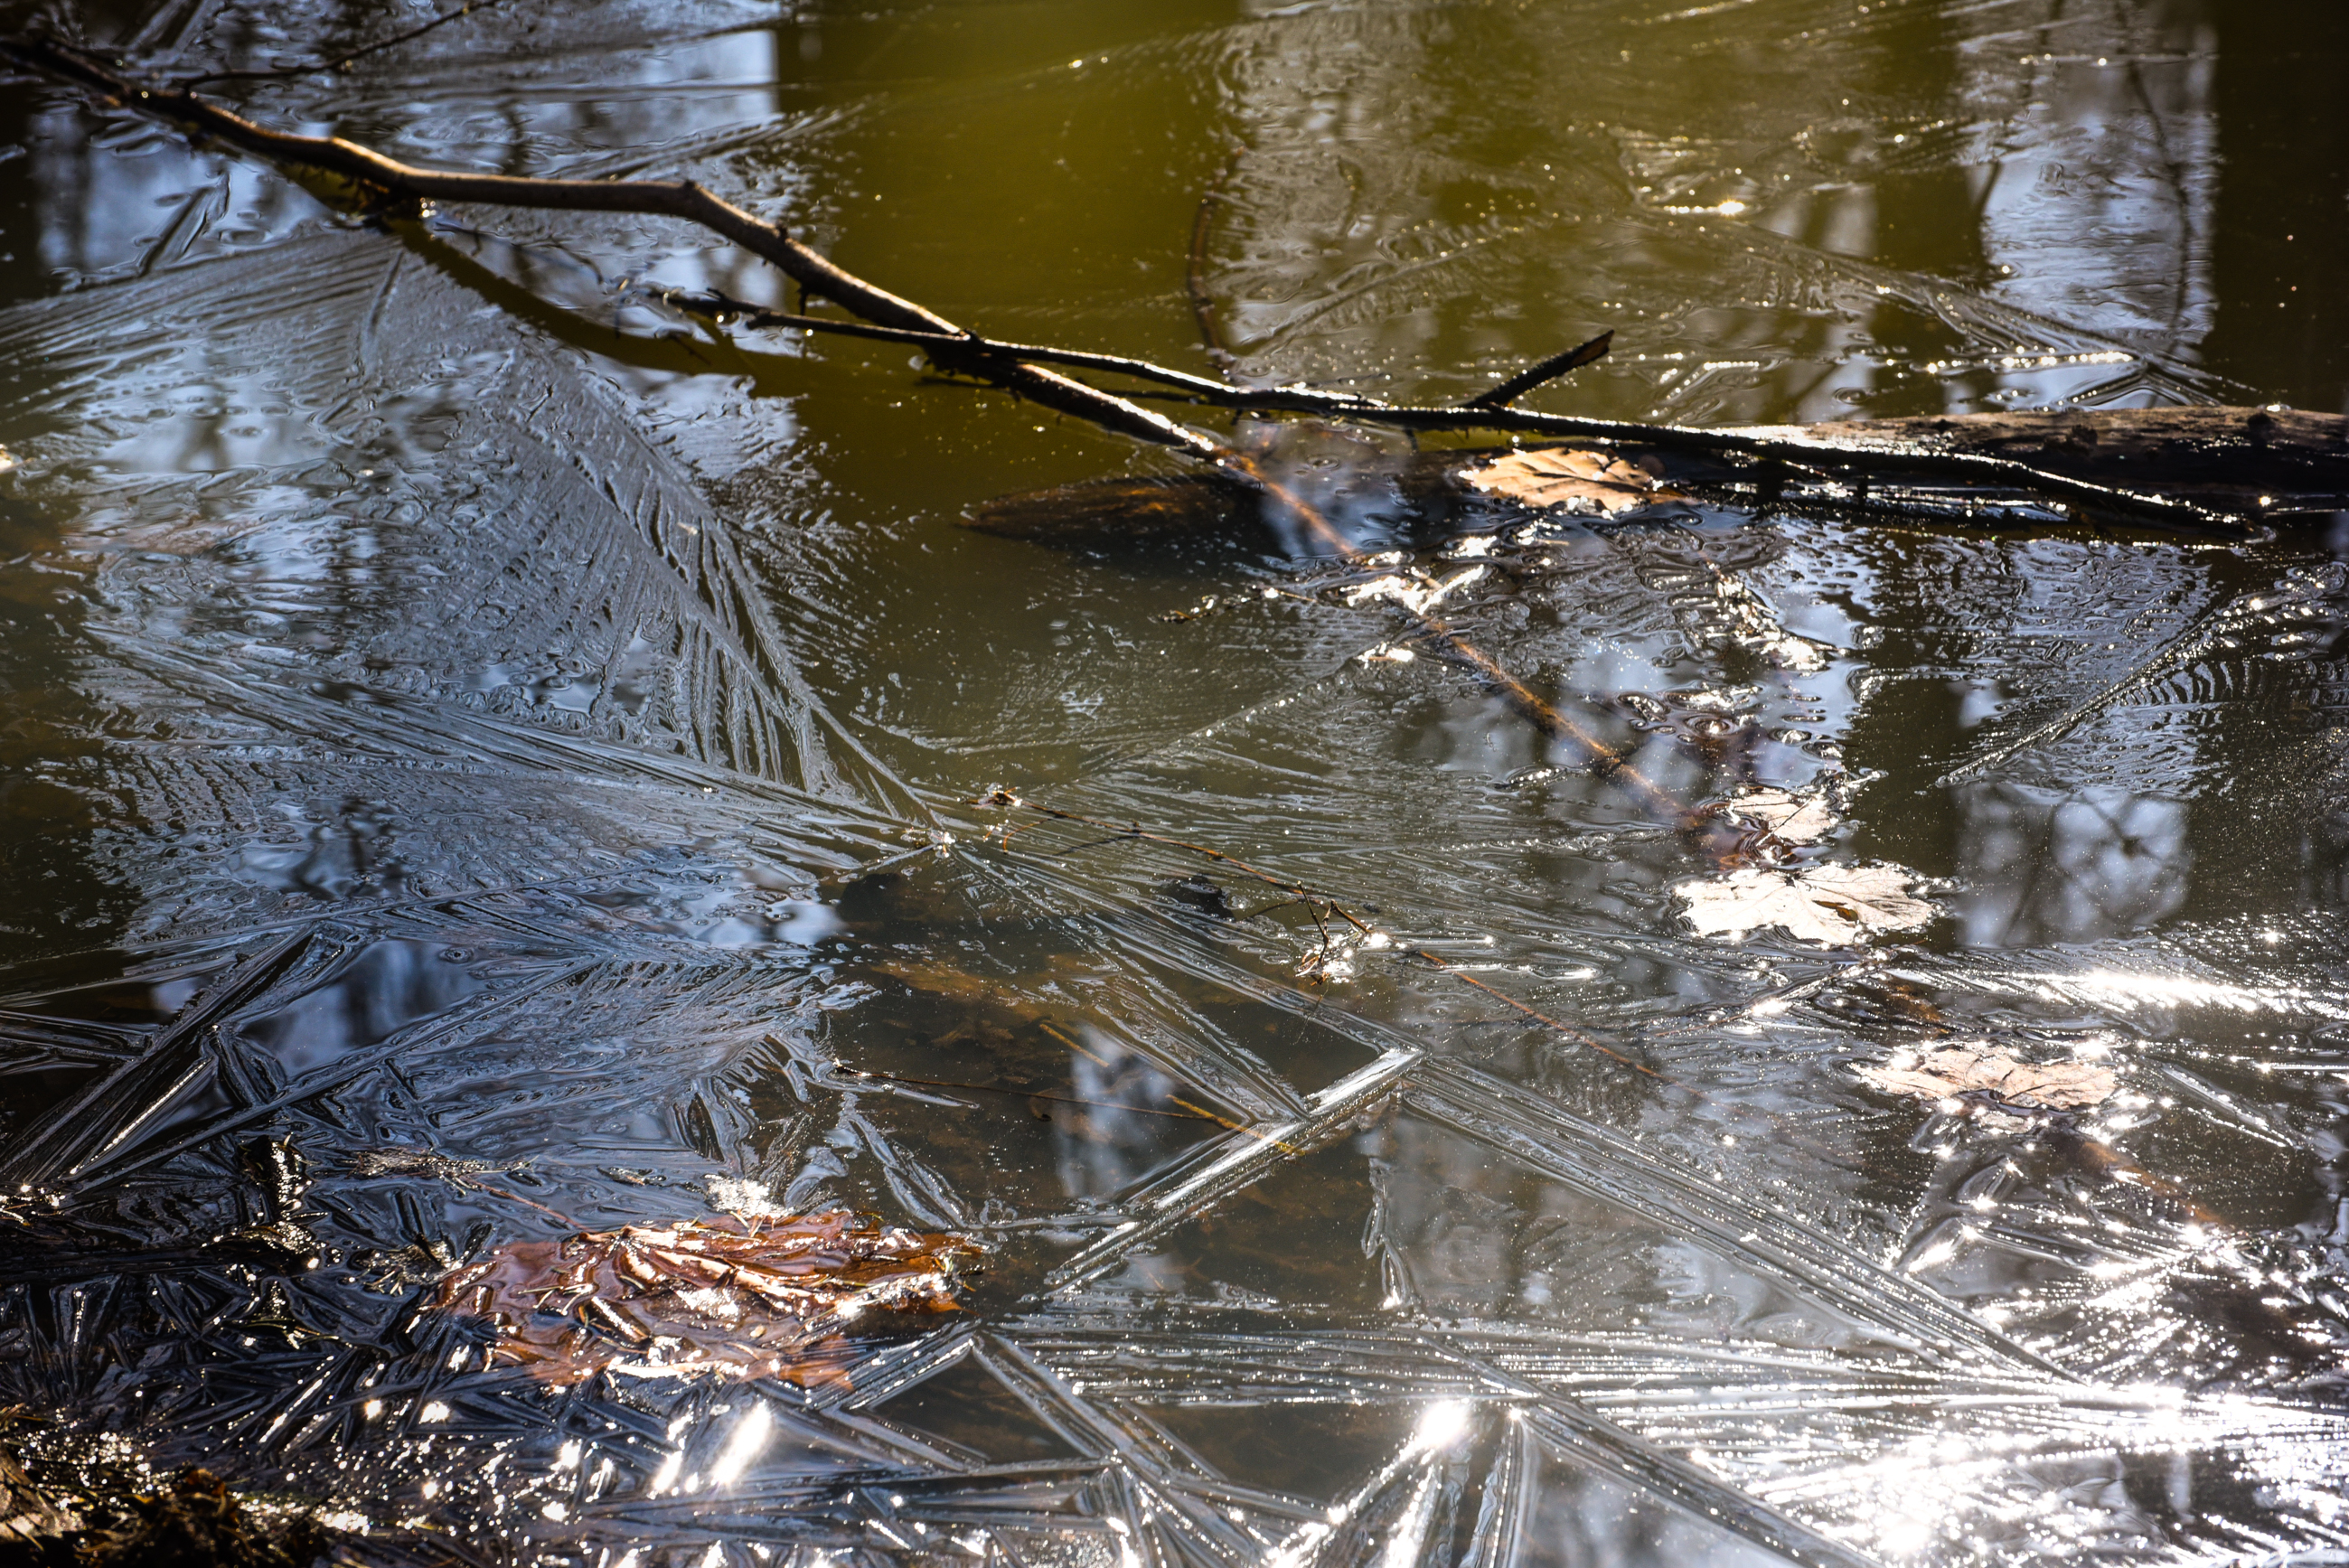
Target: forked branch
1021	367
682	199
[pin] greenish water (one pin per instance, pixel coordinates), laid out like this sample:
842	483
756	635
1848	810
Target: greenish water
453	702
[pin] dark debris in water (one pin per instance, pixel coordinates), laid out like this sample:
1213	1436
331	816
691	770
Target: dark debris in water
106	1518
2281	461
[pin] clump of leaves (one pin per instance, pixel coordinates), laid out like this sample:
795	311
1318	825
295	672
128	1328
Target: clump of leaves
1967	1069
767	1300
1574	478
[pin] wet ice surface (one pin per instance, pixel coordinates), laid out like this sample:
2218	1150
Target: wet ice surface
532	772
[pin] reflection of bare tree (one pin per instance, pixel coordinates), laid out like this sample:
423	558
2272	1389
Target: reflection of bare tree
2095	204
1103	1146
2041	866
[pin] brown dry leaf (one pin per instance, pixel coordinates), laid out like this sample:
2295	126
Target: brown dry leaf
1959	1069
1571	476
767	1300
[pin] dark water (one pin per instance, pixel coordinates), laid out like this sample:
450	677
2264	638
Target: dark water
453	704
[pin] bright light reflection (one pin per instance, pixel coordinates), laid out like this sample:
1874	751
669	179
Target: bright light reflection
749	1437
1443	1425
2126	986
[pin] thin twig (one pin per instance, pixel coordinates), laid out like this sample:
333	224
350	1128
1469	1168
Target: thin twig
1546	717
1189	1113
973	347
568	1222
1549	369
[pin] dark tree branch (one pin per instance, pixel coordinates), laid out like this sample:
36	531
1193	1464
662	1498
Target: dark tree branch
1009	366
1549	369
970	346
682	199
1818	457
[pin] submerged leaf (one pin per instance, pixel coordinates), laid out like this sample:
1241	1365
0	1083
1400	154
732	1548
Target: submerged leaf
1571	476
1790	819
764	1301
1963	1070
1836	905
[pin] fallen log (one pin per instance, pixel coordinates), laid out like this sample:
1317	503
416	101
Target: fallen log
2271	463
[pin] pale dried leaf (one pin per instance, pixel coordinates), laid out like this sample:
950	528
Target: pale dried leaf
1961	1069
1571	476
1788	817
767	1300
1834	905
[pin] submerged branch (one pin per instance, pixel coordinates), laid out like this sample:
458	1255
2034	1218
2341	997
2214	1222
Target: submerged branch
1545	719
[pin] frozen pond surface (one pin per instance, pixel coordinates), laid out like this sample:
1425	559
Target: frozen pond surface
453	706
